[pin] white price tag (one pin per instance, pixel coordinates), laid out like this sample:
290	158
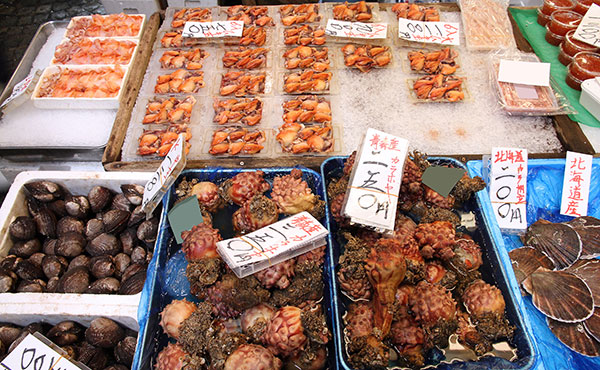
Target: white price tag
588	30
576	185
525	73
272	244
356	30
508	187
445	33
375	180
165	175
33	354
20	88
213	29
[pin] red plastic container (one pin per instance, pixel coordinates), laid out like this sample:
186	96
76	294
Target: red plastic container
564	21
542	18
563	57
550	6
573	82
572	46
553	38
582	6
585	65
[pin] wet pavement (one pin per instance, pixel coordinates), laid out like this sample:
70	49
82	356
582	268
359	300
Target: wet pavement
20	19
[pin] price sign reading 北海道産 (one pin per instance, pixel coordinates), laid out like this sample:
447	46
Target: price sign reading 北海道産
34	354
588	30
165	175
272	244
213	29
431	32
576	185
375	181
508	187
357	30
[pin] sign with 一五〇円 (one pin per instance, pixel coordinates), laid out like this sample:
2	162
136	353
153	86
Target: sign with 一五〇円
576	185
508	187
213	29
356	30
444	33
375	181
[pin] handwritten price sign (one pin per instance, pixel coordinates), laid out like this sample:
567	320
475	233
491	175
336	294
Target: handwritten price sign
272	244
356	30
508	187
431	32
588	30
213	29
33	354
165	176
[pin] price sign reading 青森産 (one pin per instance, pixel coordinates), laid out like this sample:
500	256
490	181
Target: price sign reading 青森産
508	187
375	181
356	30
213	29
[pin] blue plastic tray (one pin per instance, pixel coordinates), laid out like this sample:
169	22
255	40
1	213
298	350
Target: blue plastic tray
544	188
493	270
169	281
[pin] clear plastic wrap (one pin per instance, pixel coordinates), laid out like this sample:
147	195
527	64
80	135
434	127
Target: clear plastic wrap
415	12
237	141
247	58
319	58
525	100
486	24
366	57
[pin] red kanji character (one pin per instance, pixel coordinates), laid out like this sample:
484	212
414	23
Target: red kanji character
519	157
576	178
393	144
572	209
375	141
306	224
579	163
575	193
383	144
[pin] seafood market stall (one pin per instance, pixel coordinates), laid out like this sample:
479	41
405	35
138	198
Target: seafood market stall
354	98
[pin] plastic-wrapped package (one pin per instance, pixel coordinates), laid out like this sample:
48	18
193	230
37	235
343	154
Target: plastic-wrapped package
524	100
486	24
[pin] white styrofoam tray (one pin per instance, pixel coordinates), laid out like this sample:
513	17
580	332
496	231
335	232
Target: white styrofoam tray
74	19
131	60
122	308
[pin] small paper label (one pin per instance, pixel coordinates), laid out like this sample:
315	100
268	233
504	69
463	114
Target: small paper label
445	33
375	181
508	187
272	244
442	179
33	354
588	30
165	175
356	30
524	73
526	92
576	184
213	29
20	88
185	215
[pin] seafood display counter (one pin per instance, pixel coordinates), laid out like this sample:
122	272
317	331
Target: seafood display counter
270	123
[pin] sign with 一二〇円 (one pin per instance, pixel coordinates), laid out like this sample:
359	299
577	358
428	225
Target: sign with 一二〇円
375	181
444	33
508	187
356	30
213	29
576	184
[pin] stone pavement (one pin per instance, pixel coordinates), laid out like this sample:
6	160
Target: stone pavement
20	19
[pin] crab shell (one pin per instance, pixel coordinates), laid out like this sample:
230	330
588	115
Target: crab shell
243	187
200	242
480	298
174	314
172	357
252	357
285	335
292	194
208	195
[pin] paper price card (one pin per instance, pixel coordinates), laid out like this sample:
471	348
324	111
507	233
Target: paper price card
272	244
22	86
375	181
576	185
357	30
165	176
431	32
213	29
508	187
33	354
588	30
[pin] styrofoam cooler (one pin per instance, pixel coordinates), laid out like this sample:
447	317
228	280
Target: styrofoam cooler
192	3
147	7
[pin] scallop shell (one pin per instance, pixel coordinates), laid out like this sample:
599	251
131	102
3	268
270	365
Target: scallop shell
575	337
526	260
592	325
559	242
588	229
560	295
589	271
